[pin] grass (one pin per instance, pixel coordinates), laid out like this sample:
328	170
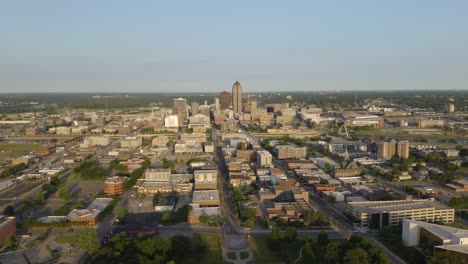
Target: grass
244	255
70	239
231	255
212	254
463	170
263	254
17	149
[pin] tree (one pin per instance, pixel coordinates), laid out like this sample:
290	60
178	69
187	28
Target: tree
9	210
40	197
309	255
121	213
88	241
356	256
331	199
11	242
291	233
322	238
184	211
166	218
332	253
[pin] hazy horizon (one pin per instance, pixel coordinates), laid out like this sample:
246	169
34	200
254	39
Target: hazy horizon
205	46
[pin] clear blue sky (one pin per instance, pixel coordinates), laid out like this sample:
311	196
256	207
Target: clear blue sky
191	46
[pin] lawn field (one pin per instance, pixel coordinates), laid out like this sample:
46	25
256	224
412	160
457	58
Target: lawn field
70	239
17	149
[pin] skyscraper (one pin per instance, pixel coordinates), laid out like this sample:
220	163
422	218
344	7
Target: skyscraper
237	97
181	110
225	99
194	108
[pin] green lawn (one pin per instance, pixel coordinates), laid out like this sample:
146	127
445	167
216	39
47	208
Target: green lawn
212	255
17	149
263	254
71	239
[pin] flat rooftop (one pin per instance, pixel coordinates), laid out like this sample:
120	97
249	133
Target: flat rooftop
205	195
388	206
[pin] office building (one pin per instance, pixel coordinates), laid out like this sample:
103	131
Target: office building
194	108
264	158
446	242
114	185
225	100
180	109
159	174
237	98
171	121
378	214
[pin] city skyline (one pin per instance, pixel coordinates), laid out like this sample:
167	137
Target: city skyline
302	46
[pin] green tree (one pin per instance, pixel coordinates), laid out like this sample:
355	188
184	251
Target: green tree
166	218
121	213
184	211
88	241
308	255
322	239
332	254
9	210
291	233
40	197
331	199
11	242
356	256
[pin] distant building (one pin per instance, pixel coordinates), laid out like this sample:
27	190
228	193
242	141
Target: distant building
194	108
289	152
131	142
180	109
237	98
388	149
7	227
171	121
225	100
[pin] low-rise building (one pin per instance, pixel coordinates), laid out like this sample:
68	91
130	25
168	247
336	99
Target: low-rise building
131	142
289	152
89	216
264	158
448	242
378	214
114	185
7	228
205	179
206	198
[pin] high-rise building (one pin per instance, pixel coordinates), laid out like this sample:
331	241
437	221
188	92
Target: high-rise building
216	104
237	97
450	106
225	100
181	110
388	149
194	108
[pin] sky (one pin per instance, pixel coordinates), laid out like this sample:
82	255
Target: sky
205	46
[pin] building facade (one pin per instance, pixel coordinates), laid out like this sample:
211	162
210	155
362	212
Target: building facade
237	97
